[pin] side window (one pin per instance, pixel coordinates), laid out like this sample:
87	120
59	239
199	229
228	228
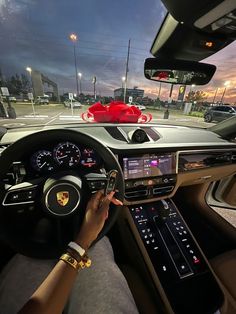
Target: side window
223	109
219	108
227	109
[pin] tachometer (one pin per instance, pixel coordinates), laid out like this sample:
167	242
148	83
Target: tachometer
67	154
89	158
43	161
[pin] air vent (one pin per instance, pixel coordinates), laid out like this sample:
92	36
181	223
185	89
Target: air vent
115	133
163	190
136	194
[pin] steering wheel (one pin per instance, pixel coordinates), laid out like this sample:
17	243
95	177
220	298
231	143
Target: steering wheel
39	217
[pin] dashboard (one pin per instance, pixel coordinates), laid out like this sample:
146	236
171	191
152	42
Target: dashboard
171	156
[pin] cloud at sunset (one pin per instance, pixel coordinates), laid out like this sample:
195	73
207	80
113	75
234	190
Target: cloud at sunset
35	33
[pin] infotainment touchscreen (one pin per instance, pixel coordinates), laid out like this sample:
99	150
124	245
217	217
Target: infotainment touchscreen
150	165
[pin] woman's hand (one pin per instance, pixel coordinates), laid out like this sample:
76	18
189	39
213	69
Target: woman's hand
95	216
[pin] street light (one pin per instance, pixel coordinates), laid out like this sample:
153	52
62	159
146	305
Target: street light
192	87
226	84
29	69
73	38
80	85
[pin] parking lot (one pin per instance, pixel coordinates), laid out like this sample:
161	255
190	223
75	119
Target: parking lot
58	114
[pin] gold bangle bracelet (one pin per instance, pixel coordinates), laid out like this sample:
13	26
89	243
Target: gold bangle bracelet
74	262
85	259
67	258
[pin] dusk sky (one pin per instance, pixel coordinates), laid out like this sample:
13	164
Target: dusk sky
36	34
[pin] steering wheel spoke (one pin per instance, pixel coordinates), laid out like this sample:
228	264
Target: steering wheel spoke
95	181
21	194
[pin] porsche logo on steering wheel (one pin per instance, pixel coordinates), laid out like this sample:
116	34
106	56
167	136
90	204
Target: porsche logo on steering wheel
62	198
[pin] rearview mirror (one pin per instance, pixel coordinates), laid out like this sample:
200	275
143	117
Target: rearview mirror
175	71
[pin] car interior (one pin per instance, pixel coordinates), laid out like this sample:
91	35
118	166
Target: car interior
173	245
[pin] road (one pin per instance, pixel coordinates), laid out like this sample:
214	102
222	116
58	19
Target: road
58	114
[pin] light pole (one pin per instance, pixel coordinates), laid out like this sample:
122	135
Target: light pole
226	84
215	95
80	85
190	91
94	87
126	72
192	87
122	80
159	91
29	69
73	38
166	113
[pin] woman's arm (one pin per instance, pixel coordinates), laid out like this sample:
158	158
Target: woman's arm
53	293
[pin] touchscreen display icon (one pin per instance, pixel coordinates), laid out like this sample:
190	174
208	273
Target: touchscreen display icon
154	163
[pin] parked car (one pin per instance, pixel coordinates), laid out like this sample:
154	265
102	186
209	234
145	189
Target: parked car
76	104
42	100
140	107
12	98
219	113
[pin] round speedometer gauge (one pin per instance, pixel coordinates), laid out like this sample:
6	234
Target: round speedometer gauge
43	161
67	154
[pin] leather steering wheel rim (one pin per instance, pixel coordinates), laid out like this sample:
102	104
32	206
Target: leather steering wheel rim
14	152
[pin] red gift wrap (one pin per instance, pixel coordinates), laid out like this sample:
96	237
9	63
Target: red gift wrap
115	112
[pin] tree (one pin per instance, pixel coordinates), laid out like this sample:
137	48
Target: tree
18	85
2	80
157	103
196	96
25	84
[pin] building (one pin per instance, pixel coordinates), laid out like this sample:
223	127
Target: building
134	92
38	80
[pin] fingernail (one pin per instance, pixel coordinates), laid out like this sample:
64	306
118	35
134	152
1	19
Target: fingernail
106	216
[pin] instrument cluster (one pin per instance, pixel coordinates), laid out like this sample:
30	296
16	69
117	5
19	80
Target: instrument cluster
64	155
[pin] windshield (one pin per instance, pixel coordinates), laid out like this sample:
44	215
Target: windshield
56	53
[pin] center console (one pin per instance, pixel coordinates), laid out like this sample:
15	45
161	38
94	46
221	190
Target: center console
176	258
149	175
